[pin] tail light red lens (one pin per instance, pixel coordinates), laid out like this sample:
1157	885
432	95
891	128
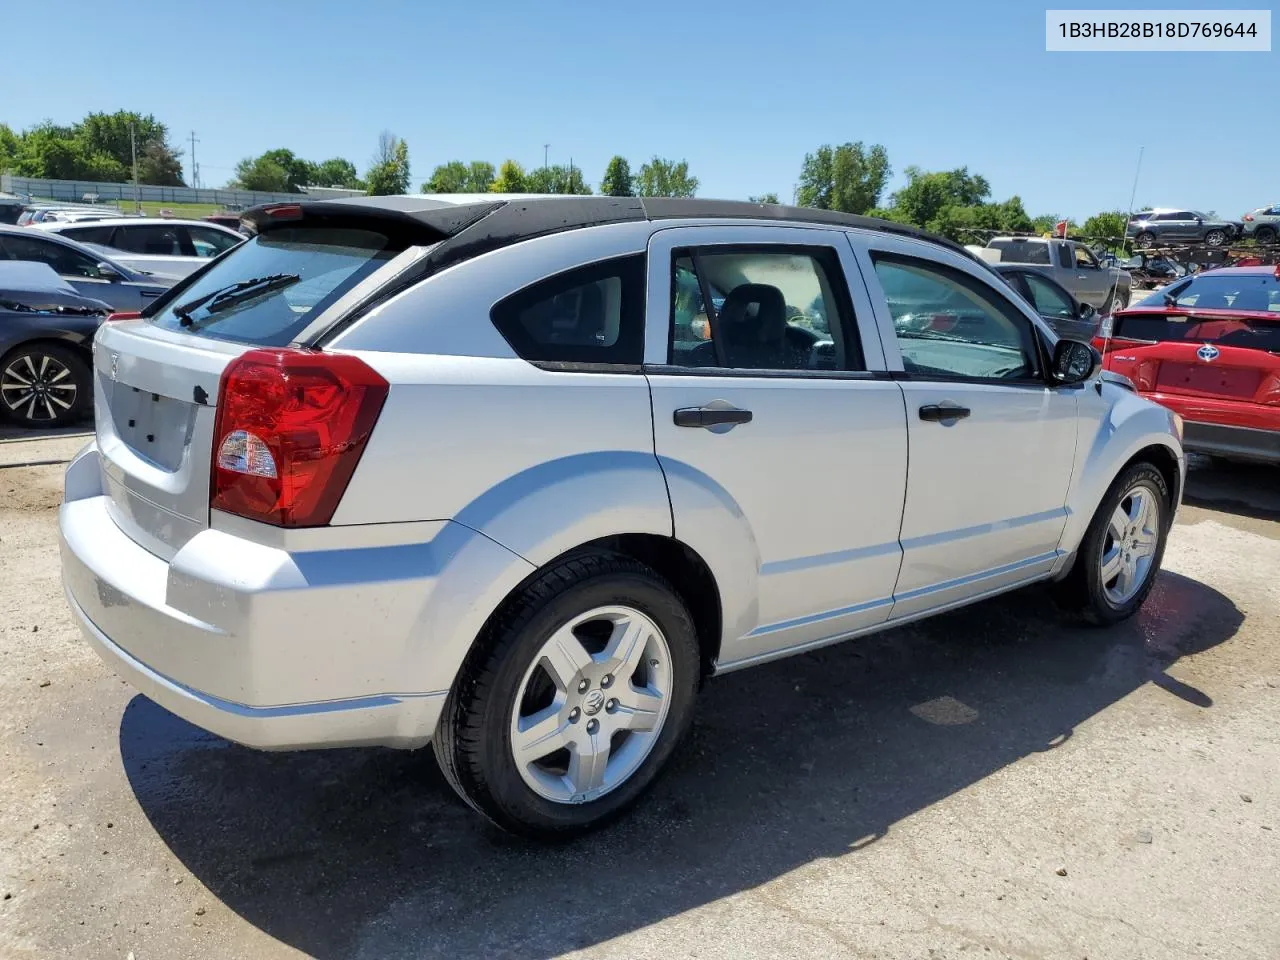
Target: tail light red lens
123	315
290	428
1248	217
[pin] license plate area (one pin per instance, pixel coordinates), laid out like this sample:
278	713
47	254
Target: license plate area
155	427
1202	379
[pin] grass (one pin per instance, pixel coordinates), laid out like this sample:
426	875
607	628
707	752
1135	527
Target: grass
185	210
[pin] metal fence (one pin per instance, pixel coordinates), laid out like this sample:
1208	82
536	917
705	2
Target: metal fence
80	191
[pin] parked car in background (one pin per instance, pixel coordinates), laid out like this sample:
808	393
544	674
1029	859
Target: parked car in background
46	337
1064	313
162	245
91	272
1208	347
1263	224
1072	264
1171	225
539	509
229	220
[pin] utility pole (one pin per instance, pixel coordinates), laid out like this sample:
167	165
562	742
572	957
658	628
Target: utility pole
546	147
137	191
569	186
195	167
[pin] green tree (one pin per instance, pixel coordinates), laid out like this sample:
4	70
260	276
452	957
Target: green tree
848	178
8	148
449	177
458	177
1044	223
260	173
764	198
108	134
510	179
555	179
1107	228
925	194
55	152
617	181
336	172
665	178
389	173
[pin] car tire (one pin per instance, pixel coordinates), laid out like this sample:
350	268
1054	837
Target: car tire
1091	589
44	385
1145	239
1216	238
521	669
1265	235
1117	301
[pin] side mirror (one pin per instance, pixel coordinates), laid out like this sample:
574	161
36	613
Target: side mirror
1074	361
1086	312
107	272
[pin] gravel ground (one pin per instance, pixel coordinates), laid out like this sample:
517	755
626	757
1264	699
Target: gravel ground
991	783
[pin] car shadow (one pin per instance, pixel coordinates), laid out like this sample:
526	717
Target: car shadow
367	853
1244	489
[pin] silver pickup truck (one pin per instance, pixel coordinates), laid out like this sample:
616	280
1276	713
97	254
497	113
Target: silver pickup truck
1072	264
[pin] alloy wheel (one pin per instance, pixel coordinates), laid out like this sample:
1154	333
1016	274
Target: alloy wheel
37	388
1130	544
591	705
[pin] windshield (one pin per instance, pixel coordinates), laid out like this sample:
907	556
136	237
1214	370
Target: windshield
1256	292
323	264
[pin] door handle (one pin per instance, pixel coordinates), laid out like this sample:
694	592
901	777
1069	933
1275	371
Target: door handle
709	417
936	412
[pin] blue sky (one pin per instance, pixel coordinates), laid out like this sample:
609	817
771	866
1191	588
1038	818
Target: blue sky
740	89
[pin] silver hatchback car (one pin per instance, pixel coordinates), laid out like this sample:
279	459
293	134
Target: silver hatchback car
514	477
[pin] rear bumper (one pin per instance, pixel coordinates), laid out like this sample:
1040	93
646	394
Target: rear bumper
1244	443
340	643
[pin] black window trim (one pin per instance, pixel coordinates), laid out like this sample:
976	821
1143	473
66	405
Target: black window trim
1035	345
630	269
827	255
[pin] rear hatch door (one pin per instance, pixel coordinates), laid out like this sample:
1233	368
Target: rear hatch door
157	379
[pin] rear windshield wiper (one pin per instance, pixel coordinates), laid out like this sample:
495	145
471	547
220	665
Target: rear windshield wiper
233	295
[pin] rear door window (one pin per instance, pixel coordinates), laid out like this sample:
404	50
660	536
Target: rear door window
208	242
299	272
99	234
1021	251
1049	298
160	240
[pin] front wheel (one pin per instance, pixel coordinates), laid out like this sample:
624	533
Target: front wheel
1145	239
1215	238
1117	561
44	385
572	699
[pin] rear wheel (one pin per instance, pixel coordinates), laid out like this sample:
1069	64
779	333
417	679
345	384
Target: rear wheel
573	698
44	385
1117	562
1265	234
1118	301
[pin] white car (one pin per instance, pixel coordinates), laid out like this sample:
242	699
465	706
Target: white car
515	477
171	247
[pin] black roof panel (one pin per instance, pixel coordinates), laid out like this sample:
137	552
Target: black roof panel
466	230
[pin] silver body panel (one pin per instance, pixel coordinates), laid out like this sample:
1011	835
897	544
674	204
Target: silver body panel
835	512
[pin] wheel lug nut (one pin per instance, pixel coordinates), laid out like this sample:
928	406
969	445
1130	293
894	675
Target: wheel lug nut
593	726
611	706
606	680
583	685
574	714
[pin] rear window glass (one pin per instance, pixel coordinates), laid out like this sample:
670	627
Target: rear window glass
1222	291
89	234
593	314
302	271
1021	251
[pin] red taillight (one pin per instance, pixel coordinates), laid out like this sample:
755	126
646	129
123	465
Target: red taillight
123	315
290	428
1249	217
284	211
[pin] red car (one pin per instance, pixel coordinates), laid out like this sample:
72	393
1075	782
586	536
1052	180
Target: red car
1208	348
